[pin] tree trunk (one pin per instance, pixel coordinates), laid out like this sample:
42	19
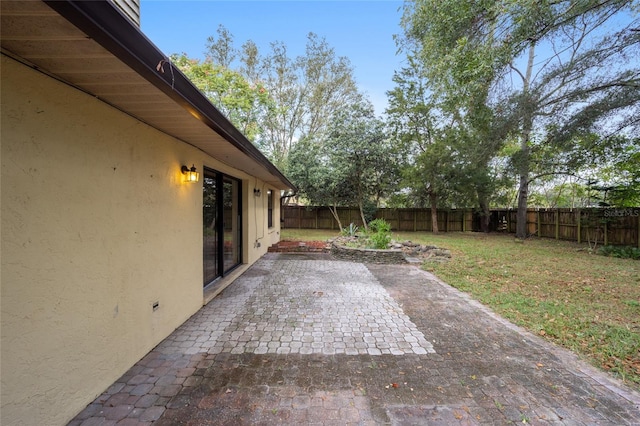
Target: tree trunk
334	211
433	198
523	166
485	214
364	221
521	215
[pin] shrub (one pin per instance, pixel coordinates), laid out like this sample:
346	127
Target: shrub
623	252
379	233
379	225
350	231
380	240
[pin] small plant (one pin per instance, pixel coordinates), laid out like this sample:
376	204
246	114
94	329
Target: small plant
379	233
380	240
379	225
350	231
627	252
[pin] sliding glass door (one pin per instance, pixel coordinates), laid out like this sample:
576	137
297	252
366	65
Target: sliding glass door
222	230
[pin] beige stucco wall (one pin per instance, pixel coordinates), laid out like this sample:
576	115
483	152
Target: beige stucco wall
255	213
97	225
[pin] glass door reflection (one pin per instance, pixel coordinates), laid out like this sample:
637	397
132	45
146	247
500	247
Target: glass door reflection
222	225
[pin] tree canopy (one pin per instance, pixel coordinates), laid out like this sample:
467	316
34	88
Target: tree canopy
560	77
354	163
275	98
498	102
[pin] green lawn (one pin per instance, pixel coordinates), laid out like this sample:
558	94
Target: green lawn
585	302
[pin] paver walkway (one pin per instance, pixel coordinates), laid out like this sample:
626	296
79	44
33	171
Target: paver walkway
304	339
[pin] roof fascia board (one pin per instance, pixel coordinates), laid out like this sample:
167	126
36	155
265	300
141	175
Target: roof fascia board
108	26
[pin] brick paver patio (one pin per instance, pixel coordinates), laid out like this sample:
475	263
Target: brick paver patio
304	339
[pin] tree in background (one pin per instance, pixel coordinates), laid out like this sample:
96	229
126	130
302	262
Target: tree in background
419	129
357	144
553	72
353	164
307	91
299	95
618	176
243	103
318	181
449	136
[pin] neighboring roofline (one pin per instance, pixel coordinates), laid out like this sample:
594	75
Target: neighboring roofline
108	26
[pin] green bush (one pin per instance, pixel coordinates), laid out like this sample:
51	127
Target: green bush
379	240
623	252
379	234
379	225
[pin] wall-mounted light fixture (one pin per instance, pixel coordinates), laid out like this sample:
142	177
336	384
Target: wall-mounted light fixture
257	192
190	174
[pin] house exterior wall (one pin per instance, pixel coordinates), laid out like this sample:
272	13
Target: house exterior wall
97	226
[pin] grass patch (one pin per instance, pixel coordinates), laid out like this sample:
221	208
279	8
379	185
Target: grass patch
587	303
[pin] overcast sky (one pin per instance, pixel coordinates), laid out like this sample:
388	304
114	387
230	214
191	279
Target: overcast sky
360	30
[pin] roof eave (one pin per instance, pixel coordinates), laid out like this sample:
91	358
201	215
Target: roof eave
106	24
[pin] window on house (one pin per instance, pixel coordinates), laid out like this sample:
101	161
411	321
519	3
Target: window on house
270	208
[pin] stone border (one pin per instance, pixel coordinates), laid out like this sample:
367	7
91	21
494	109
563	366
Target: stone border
354	254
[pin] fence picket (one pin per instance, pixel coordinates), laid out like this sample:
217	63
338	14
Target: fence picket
612	226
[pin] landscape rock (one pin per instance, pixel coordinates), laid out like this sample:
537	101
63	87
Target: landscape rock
352	248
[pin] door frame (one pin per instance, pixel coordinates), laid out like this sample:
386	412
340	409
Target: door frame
219	224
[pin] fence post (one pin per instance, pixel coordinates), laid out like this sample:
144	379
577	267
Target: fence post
606	232
299	217
557	224
579	236
638	235
539	224
415	221
464	222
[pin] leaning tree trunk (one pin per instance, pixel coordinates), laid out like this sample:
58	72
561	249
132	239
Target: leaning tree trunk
433	198
364	220
334	211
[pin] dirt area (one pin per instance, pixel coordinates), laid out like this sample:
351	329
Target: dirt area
300	247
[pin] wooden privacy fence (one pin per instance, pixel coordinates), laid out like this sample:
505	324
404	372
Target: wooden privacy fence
605	226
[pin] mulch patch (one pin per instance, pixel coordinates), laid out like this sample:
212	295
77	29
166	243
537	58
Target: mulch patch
300	247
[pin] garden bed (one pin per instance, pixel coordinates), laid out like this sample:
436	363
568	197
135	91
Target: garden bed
354	249
299	247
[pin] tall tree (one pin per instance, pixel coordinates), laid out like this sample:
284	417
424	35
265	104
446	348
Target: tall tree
317	179
449	137
352	164
359	148
555	70
419	128
306	90
243	103
221	50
